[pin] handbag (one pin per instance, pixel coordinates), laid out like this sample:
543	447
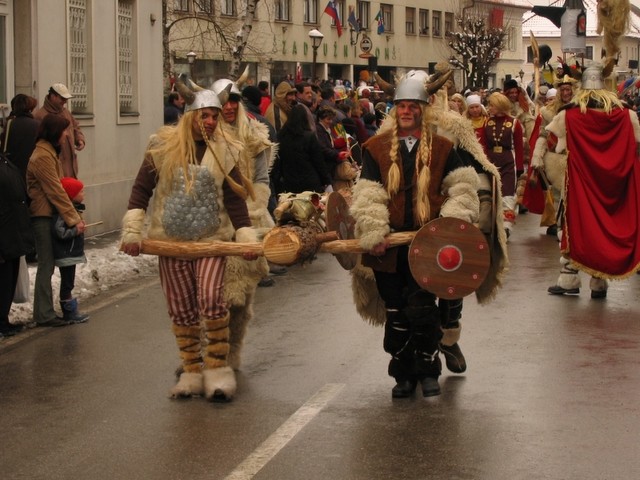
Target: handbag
534	192
21	294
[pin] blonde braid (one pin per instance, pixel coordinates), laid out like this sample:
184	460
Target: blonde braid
422	210
393	177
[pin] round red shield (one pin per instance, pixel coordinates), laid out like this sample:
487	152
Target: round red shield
449	258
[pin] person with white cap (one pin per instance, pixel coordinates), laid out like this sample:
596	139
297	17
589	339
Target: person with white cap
199	195
407	179
73	138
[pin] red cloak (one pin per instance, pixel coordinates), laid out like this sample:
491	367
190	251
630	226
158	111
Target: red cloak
602	187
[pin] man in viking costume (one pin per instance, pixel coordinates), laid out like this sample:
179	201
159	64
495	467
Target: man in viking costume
199	195
410	176
254	161
600	231
548	155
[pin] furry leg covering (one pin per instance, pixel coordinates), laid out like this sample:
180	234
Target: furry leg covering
569	277
219	378
450	336
240	317
190	381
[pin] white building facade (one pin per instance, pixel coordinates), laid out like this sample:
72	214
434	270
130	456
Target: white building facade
412	35
109	54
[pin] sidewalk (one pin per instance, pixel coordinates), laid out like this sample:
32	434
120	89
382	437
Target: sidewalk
106	268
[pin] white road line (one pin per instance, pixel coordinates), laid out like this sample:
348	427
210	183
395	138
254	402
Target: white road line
289	429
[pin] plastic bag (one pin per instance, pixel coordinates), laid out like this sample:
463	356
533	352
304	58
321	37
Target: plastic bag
22	288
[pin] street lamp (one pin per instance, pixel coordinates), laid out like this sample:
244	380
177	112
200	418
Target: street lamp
521	75
191	58
316	37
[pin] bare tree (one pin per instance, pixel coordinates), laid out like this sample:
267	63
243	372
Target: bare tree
204	28
476	48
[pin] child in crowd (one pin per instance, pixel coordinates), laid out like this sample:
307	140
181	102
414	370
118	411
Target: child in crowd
68	251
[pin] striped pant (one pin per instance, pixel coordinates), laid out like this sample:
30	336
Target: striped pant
193	288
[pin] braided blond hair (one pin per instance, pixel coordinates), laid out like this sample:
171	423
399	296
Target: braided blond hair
423	162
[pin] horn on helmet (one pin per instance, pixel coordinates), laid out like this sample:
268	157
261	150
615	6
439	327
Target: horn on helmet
386	87
243	78
185	92
225	94
435	85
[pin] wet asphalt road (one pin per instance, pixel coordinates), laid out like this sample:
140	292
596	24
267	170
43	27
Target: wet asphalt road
552	389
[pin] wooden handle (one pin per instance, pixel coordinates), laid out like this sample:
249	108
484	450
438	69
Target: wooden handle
198	249
282	248
353	246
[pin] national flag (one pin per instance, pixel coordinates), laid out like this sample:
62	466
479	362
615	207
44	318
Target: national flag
352	19
380	22
332	11
298	72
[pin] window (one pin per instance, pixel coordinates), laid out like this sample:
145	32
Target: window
127	78
228	7
511	39
310	11
436	24
340	8
589	53
387	16
364	13
204	6
424	21
181	5
79	55
448	23
282	10
410	21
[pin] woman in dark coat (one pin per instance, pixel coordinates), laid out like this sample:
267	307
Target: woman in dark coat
16	238
19	138
301	157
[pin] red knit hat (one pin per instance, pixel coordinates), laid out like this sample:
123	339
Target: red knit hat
72	186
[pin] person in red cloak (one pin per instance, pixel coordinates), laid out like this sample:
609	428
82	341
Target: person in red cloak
600	234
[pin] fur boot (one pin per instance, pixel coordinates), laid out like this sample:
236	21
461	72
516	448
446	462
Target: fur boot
598	287
219	378
568	281
216	331
190	378
219	384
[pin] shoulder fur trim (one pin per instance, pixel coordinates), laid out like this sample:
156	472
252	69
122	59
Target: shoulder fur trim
369	208
557	126
132	226
461	188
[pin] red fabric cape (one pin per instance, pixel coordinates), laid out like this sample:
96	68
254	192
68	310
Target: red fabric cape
602	193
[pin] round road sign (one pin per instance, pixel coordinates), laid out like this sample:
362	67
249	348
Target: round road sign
366	45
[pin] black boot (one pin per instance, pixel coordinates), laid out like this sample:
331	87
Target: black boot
403	388
430	386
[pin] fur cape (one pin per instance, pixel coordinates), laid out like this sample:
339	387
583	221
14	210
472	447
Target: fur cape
365	294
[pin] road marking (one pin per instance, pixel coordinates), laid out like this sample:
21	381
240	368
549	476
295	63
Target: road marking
283	435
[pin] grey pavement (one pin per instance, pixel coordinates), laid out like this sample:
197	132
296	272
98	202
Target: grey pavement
551	391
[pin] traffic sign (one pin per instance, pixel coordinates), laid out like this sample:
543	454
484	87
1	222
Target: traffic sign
366	44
